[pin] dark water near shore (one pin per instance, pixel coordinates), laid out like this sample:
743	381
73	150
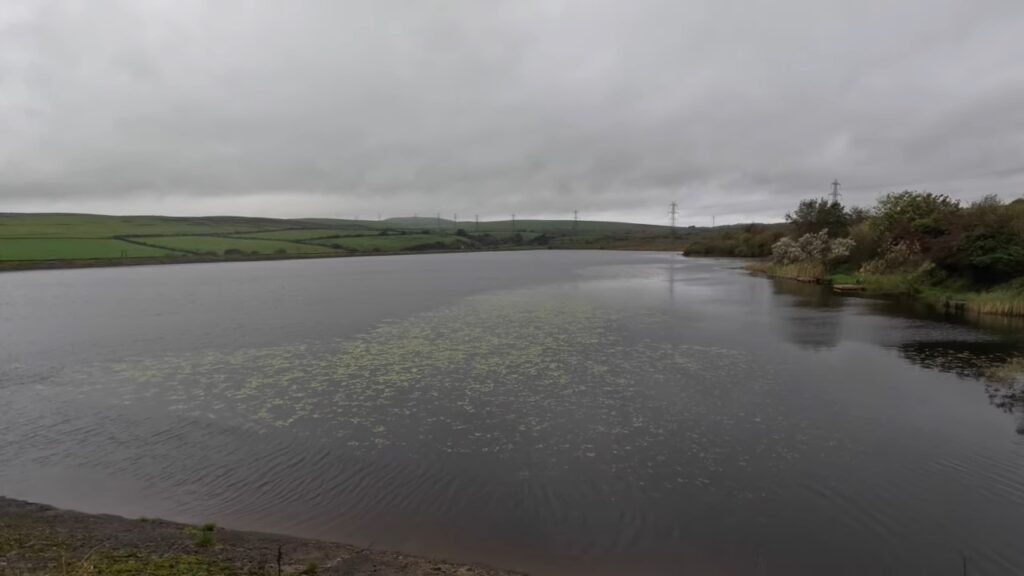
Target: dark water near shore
558	412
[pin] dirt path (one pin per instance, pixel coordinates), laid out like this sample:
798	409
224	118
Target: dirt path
36	539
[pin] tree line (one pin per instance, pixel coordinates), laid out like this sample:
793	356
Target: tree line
929	235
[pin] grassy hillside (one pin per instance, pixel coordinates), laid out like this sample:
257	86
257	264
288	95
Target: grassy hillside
223	245
35	240
98	226
308	233
63	249
417	222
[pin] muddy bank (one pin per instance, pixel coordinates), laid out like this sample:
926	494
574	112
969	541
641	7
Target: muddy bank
36	539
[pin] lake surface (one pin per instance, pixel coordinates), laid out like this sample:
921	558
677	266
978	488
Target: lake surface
557	412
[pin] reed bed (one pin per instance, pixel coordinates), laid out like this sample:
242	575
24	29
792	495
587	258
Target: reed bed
997	302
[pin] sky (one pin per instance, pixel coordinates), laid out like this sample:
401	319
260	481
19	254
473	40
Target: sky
734	109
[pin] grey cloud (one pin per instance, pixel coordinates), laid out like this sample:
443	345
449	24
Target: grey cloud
735	109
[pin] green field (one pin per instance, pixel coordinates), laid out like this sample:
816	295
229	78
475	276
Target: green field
393	243
308	233
75	249
218	245
96	226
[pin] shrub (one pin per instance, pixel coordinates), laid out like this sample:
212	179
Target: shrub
902	256
787	251
914	216
816	247
202	536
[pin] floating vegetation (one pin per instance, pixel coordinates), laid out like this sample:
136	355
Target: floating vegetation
552	379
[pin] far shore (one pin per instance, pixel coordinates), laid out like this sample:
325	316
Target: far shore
27	265
37	540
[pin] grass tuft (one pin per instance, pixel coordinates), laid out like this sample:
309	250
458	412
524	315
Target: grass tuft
203	535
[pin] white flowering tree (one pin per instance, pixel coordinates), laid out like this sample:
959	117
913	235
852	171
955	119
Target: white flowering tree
813	247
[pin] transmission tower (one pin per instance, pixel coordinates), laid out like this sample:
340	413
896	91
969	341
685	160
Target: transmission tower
575	219
835	190
455	220
513	222
673	210
477	219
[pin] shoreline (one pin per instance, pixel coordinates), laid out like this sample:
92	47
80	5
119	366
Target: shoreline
30	265
36	265
37	539
989	303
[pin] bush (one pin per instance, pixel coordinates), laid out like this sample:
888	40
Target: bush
992	257
914	216
816	247
202	536
903	256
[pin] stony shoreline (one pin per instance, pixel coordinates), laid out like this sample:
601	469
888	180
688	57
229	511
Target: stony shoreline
36	539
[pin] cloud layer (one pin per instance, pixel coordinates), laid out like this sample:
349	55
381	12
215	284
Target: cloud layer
537	107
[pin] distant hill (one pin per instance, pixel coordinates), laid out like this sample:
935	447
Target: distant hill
503	226
416	222
57	240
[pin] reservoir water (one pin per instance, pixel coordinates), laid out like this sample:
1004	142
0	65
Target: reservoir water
554	412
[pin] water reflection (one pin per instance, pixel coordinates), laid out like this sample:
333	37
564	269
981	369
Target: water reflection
935	340
813	316
965	359
672	268
806	294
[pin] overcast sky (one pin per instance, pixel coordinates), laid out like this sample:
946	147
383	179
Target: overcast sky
733	108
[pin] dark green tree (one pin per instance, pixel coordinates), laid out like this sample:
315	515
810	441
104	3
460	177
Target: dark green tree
915	216
817	214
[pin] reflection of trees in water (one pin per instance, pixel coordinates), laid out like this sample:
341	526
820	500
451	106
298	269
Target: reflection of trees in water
965	359
806	294
975	360
810	312
814	330
813	318
914	308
